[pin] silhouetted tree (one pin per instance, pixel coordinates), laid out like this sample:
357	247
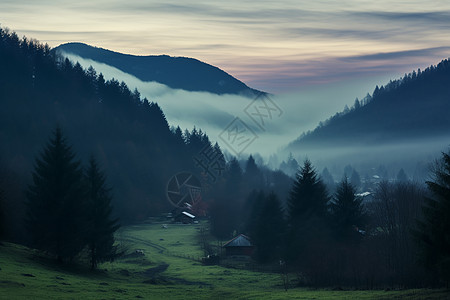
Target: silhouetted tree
355	180
401	176
307	217
253	175
269	229
2	209
291	166
434	229
223	219
328	179
234	178
357	104
348	170
308	195
393	214
347	212
100	224
56	205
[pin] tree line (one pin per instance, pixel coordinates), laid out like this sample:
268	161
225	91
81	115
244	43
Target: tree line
397	239
69	208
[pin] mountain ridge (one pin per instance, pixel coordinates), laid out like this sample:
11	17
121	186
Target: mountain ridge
412	107
184	73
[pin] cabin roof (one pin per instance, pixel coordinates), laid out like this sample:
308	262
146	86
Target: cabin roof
239	241
188	215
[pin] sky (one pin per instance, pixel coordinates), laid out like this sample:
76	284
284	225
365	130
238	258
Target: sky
315	57
275	46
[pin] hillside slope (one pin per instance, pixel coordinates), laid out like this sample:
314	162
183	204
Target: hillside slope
128	135
414	107
176	72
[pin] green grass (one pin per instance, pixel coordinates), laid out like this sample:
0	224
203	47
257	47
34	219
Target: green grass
160	274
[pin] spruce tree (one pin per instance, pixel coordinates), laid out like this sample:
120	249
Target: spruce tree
347	212
55	207
101	225
434	228
355	180
253	175
401	176
2	210
269	230
307	215
308	195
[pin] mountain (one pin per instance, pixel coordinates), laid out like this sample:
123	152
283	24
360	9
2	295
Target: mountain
176	72
128	135
415	107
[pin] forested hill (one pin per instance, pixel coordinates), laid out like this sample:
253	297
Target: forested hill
414	107
176	72
128	135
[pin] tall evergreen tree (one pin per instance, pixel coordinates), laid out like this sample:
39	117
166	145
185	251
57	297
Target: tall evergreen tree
308	195
307	216
101	225
253	175
347	212
355	180
401	176
55	212
2	209
269	230
234	178
328	179
434	229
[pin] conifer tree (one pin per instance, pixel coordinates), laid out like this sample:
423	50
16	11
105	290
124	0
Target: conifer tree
307	215
269	230
434	229
308	195
101	226
347	212
401	176
55	207
2	210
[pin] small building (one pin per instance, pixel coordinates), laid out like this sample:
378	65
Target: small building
185	218
239	246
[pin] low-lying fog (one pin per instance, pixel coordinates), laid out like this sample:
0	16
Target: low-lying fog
285	117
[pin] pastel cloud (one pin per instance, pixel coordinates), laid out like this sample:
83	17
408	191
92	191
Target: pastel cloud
271	46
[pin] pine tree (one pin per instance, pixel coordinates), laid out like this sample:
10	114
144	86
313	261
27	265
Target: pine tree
401	176
308	195
101	226
347	212
269	230
355	180
2	209
55	207
328	179
253	175
234	178
307	215
434	229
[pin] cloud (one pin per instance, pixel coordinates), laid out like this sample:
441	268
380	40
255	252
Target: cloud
427	52
431	17
276	47
301	111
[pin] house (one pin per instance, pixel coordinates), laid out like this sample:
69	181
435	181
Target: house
185	218
239	246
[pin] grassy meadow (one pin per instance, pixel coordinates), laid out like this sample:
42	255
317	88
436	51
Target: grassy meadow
168	269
